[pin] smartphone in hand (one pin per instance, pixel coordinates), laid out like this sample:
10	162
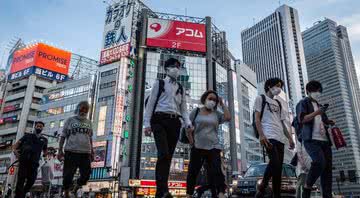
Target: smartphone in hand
324	107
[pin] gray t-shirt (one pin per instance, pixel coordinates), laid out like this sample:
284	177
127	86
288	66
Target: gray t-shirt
78	133
207	129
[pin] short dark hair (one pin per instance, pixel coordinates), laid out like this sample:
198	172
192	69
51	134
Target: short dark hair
170	62
313	86
39	122
271	82
205	95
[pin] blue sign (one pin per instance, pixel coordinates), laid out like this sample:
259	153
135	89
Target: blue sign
39	72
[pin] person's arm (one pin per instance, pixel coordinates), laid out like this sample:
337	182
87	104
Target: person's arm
45	148
15	147
151	104
303	115
227	114
63	136
263	140
184	111
91	145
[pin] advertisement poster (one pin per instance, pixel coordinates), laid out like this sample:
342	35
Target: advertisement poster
176	34
99	154
42	56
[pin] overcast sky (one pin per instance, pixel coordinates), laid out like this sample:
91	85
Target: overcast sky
78	24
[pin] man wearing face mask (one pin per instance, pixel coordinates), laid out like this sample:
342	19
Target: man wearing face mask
166	106
313	119
269	118
79	153
28	151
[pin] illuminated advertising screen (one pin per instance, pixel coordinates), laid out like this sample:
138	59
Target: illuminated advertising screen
41	56
99	154
176	35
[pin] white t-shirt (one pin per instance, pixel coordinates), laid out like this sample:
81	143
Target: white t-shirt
272	120
319	131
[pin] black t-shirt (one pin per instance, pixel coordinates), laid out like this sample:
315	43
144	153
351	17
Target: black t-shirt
31	147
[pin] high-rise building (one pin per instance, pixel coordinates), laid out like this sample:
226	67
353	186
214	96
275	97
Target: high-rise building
249	149
273	48
330	61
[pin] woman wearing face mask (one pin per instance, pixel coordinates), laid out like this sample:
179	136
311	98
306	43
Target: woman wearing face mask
79	153
205	142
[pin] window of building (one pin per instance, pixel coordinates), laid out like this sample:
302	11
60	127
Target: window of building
52	124
107	85
108	73
102	121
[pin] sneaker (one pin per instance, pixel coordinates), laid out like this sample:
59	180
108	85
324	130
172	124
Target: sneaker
75	189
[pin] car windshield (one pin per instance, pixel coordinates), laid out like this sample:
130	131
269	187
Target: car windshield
258	171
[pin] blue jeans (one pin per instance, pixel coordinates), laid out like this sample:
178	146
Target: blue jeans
321	165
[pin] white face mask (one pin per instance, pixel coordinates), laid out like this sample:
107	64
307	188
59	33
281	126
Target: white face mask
315	95
173	72
209	104
275	91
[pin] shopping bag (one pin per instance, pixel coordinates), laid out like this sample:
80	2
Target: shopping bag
337	137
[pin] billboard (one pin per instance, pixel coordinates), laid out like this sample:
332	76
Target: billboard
117	31
42	56
99	154
176	35
38	71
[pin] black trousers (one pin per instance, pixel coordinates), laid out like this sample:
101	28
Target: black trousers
166	132
72	162
27	171
216	177
274	168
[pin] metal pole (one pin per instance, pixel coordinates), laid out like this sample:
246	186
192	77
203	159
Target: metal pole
209	60
232	131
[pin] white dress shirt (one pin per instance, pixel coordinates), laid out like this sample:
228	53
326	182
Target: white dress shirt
169	102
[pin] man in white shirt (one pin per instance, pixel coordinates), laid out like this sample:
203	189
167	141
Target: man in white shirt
272	134
164	109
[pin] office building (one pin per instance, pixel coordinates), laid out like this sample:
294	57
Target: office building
273	47
249	149
329	60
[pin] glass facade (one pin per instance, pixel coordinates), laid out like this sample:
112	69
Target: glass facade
253	151
193	79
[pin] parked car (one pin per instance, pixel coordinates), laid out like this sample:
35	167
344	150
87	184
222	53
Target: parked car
246	186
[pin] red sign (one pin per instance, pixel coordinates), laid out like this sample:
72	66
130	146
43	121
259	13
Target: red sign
152	183
11	108
11	170
176	34
114	54
42	56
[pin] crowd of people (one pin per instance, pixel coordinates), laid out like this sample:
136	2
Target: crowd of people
166	114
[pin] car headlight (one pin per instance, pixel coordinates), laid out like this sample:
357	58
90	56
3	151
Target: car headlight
259	182
235	182
231	190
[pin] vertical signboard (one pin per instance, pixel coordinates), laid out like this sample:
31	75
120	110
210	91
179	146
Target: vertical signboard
117	31
99	154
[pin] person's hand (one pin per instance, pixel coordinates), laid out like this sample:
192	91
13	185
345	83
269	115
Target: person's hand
147	131
221	102
265	142
331	122
60	155
292	144
189	134
319	111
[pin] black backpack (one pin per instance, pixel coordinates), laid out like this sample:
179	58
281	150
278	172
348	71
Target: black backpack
263	104
297	126
161	90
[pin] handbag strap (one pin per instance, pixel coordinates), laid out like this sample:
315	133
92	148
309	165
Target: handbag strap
196	114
